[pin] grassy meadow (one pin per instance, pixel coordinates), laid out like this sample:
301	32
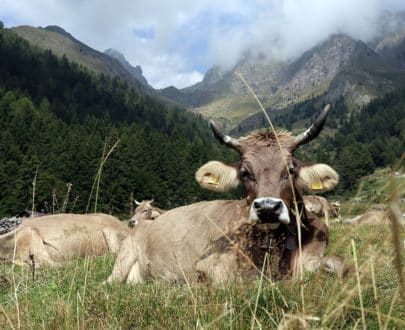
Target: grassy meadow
74	296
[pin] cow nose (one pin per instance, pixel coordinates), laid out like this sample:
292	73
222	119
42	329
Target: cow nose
269	209
267	205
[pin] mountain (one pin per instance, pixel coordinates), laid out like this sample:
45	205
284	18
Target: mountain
136	71
392	47
62	43
339	66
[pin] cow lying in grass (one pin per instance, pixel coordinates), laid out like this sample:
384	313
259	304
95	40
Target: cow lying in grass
54	239
232	240
144	211
372	217
321	207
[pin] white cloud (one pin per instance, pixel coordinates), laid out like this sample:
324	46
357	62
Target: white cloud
183	38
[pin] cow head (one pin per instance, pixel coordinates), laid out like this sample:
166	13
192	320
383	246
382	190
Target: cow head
272	177
143	211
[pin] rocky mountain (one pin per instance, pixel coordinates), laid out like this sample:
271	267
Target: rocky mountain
136	71
392	47
339	66
62	43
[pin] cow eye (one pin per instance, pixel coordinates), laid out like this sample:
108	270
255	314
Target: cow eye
291	170
244	173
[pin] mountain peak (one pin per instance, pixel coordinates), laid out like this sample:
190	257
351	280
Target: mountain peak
58	29
135	71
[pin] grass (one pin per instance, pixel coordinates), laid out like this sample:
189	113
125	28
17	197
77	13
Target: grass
73	296
61	45
373	189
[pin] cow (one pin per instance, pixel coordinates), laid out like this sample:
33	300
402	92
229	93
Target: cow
321	207
8	224
233	240
371	217
54	239
144	211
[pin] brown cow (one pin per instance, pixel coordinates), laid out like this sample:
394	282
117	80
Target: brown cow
372	217
144	211
54	239
321	207
229	240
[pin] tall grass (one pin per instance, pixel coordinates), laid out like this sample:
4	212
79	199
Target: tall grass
73	296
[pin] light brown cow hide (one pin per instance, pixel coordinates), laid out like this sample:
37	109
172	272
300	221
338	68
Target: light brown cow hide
55	239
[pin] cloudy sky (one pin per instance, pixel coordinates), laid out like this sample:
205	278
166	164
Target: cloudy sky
176	41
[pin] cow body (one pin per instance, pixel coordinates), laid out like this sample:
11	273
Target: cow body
373	217
321	207
214	241
55	239
222	241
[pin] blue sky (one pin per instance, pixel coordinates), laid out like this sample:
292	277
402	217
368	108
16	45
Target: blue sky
176	42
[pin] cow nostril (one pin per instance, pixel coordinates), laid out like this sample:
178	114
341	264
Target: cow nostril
277	206
256	205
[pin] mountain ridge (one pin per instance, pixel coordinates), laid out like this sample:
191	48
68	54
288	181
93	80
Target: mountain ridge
338	66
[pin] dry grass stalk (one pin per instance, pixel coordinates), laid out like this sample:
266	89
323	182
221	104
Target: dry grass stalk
190	290
394	299
259	289
396	216
363	316
98	175
34	183
54	201
377	307
298	215
6	317
65	202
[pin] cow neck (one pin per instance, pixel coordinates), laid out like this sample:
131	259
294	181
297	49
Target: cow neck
251	242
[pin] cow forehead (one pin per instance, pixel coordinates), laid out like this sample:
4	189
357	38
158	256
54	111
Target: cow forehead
269	156
144	206
264	139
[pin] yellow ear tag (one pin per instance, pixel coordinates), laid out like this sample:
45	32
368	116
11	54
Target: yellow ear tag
212	179
317	185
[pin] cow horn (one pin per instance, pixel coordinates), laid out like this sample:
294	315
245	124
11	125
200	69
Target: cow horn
313	131
225	139
137	203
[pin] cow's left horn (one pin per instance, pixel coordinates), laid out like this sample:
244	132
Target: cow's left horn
225	139
313	131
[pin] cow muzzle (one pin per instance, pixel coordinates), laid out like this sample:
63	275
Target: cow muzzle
133	222
269	210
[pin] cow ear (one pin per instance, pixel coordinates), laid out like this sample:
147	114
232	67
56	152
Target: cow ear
217	176
317	178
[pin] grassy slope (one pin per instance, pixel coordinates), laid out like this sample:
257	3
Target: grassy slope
74	296
374	189
61	45
237	108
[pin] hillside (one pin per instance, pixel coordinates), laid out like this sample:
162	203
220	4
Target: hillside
57	122
61	43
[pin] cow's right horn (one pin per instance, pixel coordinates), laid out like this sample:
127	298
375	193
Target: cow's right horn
225	139
313	131
136	202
